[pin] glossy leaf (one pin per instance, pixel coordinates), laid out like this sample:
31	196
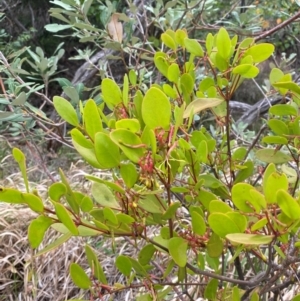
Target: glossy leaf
275	140
34	202
244	195
37	230
278	127
156	109
107	152
111	92
283	109
219	206
246	70
288	204
173	73
65	110
222	224
79	276
198	223
92	120
64	216
129	143
260	52
178	247
249	239
56	191
193	47
168	41
223	43
289	85
160	61
21	160
132	125
274	183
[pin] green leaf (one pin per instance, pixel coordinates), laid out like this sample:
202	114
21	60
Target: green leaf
129	174
260	52
283	110
139	269
110	216
34	202
95	265
132	77
244	195
129	143
219	206
223	43
37	230
124	265
198	223
269	155
156	109
201	104
202	152
274	183
249	239
161	63
151	204
107	152
132	125
86	204
54	27
146	254
291	86
168	41
92	120
56	191
111	92
178	248
193	47
245	172
79	276
211	289
288	204
64	216
222	224
254	296
171	211
259	224
236	296
215	246
173	73
65	110
103	196
275	140
296	298
246	70
278	127
20	159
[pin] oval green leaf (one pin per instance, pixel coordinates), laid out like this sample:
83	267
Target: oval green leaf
65	110
79	276
177	247
156	109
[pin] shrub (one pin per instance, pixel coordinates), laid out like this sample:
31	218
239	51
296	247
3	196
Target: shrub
223	213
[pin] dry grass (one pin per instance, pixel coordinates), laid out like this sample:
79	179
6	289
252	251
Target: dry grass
43	278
